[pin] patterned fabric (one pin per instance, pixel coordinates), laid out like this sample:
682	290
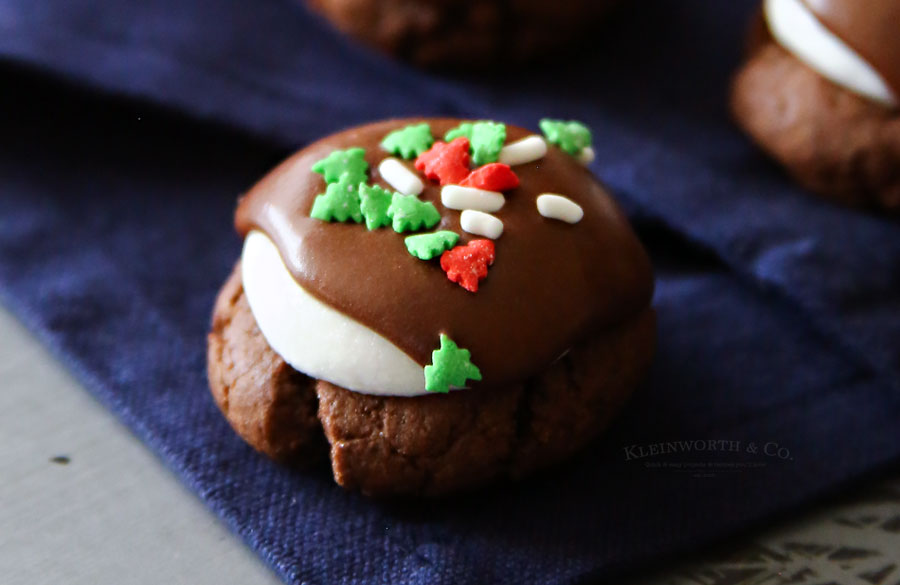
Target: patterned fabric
777	372
856	542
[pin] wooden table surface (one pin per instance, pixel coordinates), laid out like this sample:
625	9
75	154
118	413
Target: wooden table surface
83	502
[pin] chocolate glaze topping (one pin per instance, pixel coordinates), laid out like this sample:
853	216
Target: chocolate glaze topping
869	27
551	283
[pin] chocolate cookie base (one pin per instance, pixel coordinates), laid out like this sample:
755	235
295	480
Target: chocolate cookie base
463	33
833	142
425	445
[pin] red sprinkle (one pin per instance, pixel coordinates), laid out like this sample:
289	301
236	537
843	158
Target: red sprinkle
468	264
492	177
446	162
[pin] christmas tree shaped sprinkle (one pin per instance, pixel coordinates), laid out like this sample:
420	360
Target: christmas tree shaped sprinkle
486	139
492	177
409	142
408	213
464	129
428	246
350	162
374	203
446	162
450	366
340	202
466	265
572	136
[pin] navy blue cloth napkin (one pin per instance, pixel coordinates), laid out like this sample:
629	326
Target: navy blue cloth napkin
776	379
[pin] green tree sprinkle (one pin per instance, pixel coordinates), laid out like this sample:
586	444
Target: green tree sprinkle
450	366
374	203
572	136
350	162
409	142
408	213
339	202
427	246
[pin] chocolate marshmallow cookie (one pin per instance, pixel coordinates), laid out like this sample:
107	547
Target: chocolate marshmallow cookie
819	92
433	303
463	33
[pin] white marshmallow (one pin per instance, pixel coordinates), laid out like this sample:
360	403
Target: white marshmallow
526	150
559	207
457	197
586	156
315	338
798	30
481	224
399	177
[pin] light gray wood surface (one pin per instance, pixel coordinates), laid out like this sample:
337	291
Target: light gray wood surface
114	514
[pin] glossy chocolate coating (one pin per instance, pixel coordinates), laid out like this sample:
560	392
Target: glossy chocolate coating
869	27
551	283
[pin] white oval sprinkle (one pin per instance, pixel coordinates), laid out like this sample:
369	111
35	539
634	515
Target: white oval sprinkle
523	151
586	156
481	224
456	197
559	207
399	177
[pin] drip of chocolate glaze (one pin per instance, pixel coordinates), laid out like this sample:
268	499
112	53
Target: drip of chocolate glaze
552	283
869	27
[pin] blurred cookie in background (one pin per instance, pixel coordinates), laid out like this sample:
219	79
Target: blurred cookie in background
464	33
819	93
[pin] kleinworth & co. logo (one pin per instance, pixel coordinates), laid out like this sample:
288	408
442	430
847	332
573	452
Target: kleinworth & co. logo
707	457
